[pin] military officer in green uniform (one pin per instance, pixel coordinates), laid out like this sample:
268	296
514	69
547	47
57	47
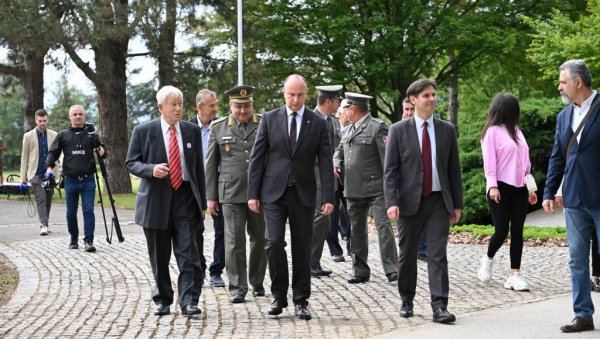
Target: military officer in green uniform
360	155
228	156
325	227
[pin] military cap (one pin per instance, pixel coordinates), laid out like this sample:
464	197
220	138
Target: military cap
240	94
333	91
356	99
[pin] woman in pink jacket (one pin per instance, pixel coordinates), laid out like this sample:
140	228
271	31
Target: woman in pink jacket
505	163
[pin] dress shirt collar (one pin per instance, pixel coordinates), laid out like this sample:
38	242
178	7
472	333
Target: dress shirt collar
165	127
585	105
419	122
40	133
300	112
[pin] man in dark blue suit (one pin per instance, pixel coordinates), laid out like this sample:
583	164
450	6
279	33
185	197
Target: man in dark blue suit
281	178
575	156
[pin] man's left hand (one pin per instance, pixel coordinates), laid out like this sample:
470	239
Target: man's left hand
455	217
326	208
100	151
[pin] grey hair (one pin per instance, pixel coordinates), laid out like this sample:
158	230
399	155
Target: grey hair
577	68
165	91
202	94
77	106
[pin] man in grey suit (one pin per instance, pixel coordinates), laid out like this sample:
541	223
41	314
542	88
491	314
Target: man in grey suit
167	154
360	155
228	156
325	227
281	178
423	190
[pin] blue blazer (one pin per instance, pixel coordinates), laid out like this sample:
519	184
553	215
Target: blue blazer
582	168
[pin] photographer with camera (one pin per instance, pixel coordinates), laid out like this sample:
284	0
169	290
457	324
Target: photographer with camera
33	169
77	143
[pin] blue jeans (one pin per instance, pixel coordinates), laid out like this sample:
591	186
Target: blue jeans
423	244
580	222
87	189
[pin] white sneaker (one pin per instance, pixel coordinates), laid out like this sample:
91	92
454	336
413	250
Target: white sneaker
516	282
485	271
44	230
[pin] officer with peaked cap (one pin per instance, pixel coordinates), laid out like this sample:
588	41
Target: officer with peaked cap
326	227
361	156
228	156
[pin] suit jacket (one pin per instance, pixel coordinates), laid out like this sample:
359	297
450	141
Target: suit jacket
30	153
336	137
403	174
146	149
272	159
582	168
361	155
229	152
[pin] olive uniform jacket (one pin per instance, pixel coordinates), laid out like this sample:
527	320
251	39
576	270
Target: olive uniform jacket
228	158
360	155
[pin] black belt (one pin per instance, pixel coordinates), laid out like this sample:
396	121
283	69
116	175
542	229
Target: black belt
78	177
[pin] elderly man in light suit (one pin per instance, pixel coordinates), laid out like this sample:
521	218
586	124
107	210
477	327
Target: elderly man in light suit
167	154
423	190
33	160
575	156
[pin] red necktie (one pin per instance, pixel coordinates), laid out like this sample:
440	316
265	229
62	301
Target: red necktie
174	159
426	156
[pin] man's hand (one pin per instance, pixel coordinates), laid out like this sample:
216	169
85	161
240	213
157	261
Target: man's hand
326	208
455	217
393	212
558	200
254	205
337	171
495	194
23	186
100	150
213	207
548	205
49	175
160	170
533	198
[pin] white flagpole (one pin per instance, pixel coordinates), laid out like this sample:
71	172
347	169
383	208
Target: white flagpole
240	44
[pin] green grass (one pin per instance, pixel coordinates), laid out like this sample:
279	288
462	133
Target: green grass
529	232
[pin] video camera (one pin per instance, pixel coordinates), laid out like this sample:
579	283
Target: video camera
88	127
48	183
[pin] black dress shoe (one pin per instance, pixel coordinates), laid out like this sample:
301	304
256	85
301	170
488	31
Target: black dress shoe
441	315
73	244
358	280
237	299
595	284
89	247
406	311
422	257
319	272
258	292
277	306
392	277
302	312
338	258
216	281
578	325
161	309
190	310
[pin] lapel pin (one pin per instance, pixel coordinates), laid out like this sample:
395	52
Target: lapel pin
189	145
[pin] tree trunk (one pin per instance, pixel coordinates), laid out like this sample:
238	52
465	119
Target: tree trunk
453	96
166	51
32	80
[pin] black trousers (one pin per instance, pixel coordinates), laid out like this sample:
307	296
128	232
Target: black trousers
510	213
178	236
433	219
333	240
289	206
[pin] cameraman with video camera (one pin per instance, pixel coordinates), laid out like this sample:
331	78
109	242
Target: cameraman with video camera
33	167
77	143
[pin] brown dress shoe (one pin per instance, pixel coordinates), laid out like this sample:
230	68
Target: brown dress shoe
578	325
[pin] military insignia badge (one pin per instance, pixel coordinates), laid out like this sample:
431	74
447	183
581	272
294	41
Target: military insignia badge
227	148
243	92
385	140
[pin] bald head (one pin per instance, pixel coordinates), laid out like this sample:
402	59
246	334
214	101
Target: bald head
294	92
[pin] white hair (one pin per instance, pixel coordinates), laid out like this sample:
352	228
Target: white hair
164	92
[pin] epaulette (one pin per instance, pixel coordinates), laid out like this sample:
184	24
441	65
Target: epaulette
381	122
221	119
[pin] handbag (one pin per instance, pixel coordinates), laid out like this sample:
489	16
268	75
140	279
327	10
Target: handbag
530	183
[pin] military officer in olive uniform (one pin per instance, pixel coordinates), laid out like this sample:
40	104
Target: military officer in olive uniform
360	155
325	227
228	156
